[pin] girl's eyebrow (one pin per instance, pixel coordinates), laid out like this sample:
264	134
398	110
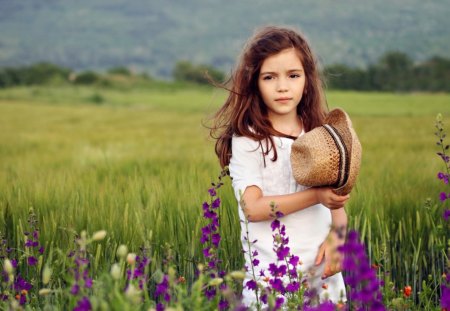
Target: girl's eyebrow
274	73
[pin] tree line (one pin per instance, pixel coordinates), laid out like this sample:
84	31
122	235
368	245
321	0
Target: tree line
394	72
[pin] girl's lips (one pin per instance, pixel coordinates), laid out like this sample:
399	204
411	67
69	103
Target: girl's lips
283	99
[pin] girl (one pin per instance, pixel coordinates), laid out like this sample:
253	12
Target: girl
276	96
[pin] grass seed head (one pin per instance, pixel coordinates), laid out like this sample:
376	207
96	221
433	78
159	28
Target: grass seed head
99	235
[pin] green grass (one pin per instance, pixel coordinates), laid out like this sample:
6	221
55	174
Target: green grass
139	162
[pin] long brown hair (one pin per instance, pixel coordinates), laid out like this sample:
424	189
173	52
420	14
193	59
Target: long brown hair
244	112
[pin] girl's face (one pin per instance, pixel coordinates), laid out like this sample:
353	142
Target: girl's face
281	83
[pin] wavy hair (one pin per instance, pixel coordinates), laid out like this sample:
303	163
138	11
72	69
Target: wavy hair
244	112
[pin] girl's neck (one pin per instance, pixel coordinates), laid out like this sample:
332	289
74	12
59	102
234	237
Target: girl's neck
290	125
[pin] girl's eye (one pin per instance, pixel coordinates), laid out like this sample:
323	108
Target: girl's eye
294	76
267	78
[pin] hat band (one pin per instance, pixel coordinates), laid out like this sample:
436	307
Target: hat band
343	155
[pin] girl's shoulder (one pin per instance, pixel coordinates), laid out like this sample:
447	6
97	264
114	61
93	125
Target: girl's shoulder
244	141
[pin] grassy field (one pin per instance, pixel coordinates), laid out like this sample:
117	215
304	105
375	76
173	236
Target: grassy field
138	163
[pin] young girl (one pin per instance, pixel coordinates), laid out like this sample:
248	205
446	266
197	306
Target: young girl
276	96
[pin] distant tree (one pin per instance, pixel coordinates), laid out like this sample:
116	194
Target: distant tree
432	75
340	76
39	73
186	71
120	71
42	73
393	72
87	77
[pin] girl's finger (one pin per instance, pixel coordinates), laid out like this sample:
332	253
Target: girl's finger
320	255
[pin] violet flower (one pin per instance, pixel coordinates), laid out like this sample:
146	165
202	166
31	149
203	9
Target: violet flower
210	236
83	305
364	286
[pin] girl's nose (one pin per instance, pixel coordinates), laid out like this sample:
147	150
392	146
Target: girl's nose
282	85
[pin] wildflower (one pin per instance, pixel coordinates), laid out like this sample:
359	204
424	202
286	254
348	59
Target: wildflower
133	294
361	278
238	275
407	291
251	284
99	235
215	203
83	305
44	291
32	261
215	282
46	275
212	192
75	289
443	196
181	279
8	266
122	251
325	286
115	271
446	214
223	304
131	259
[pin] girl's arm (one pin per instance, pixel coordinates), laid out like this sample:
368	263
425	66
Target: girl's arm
329	248
257	206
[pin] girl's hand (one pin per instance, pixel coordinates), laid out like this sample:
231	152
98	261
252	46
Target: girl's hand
329	251
327	197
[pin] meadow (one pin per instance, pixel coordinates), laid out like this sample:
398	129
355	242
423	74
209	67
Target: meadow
137	162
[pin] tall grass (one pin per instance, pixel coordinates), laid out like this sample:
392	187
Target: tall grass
138	164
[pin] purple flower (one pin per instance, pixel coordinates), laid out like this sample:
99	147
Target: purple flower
360	277
160	307
204	238
209	214
324	306
206	252
294	260
282	252
75	289
210	293
205	206
32	261
22	299
277	285
445	298
255	262
223	304
279	303
215	203
215	239
83	305
443	196
251	285
88	283
212	192
293	287
20	284
446	214
162	287
275	224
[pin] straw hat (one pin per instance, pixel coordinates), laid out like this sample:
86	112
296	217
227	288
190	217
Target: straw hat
329	155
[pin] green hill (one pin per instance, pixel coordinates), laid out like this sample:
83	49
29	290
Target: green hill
153	35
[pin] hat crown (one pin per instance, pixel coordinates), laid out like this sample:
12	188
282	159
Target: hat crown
329	155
